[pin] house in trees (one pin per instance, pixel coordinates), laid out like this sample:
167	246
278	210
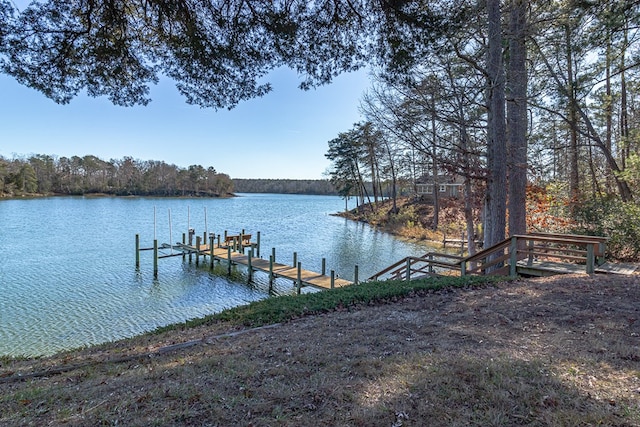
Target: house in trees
446	186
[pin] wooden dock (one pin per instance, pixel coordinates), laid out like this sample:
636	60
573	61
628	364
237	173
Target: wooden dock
275	270
231	249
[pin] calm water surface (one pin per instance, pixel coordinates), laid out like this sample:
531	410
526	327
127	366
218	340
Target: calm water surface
68	277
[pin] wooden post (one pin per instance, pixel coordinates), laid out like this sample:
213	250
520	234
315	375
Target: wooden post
355	275
229	258
218	240
324	266
408	272
137	251
258	245
601	252
513	259
430	258
530	259
270	271
197	250
590	258
249	264
273	254
184	242
155	258
240	239
299	281
333	279
295	258
212	239
463	268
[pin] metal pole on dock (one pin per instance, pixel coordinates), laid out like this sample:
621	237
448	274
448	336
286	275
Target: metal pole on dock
155	258
206	229
170	233
137	251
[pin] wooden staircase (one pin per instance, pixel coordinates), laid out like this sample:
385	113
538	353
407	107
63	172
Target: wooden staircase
533	254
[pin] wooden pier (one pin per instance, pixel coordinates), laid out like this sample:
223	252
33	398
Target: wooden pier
230	250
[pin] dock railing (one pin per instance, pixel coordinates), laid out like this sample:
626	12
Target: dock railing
531	253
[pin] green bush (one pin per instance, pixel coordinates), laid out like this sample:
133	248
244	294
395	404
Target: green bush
614	219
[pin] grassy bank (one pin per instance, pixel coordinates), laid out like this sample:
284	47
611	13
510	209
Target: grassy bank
447	352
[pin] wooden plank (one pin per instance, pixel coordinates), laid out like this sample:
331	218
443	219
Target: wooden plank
618	268
545	268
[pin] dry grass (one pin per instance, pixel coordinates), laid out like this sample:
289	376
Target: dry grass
557	351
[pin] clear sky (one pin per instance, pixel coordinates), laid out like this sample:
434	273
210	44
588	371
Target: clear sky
281	135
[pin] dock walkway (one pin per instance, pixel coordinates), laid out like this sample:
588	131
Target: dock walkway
275	270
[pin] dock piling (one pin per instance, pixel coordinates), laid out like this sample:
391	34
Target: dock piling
355	275
324	266
155	258
137	251
270	271
299	279
197	250
212	239
249	267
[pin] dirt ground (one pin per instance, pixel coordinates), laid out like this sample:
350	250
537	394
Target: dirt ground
552	351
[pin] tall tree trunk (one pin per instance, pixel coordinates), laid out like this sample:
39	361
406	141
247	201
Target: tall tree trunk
496	142
608	105
434	158
574	188
624	150
517	117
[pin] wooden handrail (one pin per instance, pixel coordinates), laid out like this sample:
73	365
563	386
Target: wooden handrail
490	259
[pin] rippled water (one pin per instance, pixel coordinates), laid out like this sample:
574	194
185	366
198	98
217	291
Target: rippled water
68	277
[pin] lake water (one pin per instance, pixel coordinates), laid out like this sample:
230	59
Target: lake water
68	276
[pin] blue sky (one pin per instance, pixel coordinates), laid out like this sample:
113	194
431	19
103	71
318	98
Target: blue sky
281	135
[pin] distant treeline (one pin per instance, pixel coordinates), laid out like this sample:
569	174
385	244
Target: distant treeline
44	174
284	186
